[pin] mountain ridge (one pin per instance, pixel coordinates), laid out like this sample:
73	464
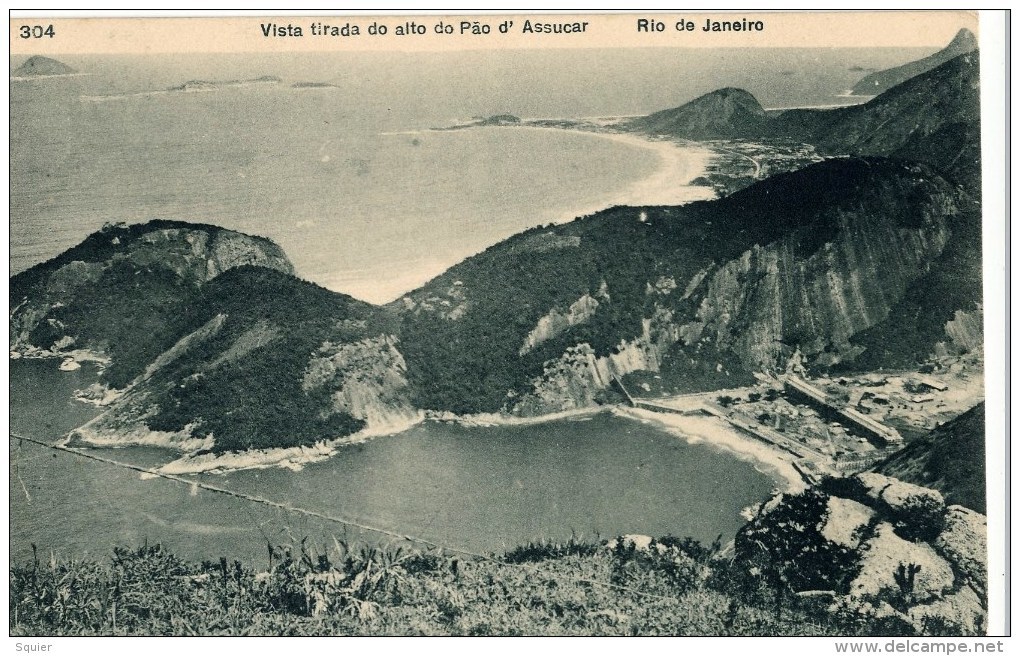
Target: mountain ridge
931	118
875	83
689	293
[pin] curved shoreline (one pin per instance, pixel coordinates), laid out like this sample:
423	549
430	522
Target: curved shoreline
717	434
669	184
293	458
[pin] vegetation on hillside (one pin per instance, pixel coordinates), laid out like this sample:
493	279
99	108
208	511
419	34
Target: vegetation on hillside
469	362
950	459
253	398
674	587
121	292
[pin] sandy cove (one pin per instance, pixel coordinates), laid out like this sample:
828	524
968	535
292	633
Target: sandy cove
692	428
718	434
679	165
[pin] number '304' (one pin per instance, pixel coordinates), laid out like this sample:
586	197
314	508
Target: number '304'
36	31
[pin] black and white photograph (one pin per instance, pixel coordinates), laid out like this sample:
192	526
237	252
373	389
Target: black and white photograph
515	324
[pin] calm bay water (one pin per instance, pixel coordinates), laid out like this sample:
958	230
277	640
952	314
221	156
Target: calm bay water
481	489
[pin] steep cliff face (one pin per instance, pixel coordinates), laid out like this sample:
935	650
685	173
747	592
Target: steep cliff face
121	292
785	295
580	378
365	379
557	321
874	547
773	296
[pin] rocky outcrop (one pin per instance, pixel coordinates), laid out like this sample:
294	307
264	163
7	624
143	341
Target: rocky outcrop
366	379
56	304
556	322
579	377
950	459
962	543
846	521
881	558
966	333
867	542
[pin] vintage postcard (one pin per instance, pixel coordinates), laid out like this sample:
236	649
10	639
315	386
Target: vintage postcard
506	324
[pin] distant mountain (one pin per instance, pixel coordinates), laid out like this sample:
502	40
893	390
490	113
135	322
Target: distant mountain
720	114
932	118
878	82
39	66
950	459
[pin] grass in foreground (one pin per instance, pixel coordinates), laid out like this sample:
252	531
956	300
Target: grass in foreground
676	587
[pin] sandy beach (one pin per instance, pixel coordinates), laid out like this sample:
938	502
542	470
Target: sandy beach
670	184
715	432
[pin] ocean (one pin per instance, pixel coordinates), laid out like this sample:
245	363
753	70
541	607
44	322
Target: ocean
350	179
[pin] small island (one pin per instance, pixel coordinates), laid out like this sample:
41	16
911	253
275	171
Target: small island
313	85
39	66
500	119
194	85
206	85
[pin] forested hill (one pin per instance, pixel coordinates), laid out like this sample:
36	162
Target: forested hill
204	345
932	118
721	114
703	294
